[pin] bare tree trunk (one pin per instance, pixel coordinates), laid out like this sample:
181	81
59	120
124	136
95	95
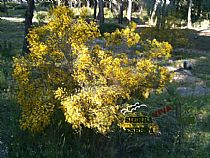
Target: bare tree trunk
28	23
59	2
95	8
79	5
152	17
114	6
129	11
121	12
189	20
101	11
5	7
91	3
88	3
161	15
158	22
70	4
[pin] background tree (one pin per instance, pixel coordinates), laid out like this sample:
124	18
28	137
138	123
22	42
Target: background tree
5	6
28	23
129	10
189	19
153	12
95	9
101	11
121	11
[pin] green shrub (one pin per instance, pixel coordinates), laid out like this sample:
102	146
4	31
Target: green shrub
12	4
6	48
109	27
20	6
172	21
2	7
45	5
177	38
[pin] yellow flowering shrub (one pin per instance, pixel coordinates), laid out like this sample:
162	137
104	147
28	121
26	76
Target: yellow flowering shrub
66	70
127	36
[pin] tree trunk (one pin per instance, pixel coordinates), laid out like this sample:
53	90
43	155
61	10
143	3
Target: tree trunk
5	7
66	3
78	3
162	14
91	3
121	12
59	2
129	11
101	11
28	23
114	6
88	3
70	4
95	9
152	17
189	20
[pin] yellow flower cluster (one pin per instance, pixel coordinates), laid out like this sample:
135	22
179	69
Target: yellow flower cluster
159	50
127	36
65	70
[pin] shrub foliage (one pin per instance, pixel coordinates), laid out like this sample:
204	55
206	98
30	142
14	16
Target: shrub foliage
66	70
177	38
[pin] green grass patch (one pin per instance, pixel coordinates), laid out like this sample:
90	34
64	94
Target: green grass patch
20	13
12	34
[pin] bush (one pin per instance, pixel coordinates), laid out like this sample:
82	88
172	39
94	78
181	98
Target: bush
20	6
109	27
177	38
12	4
6	48
46	4
66	71
2	7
